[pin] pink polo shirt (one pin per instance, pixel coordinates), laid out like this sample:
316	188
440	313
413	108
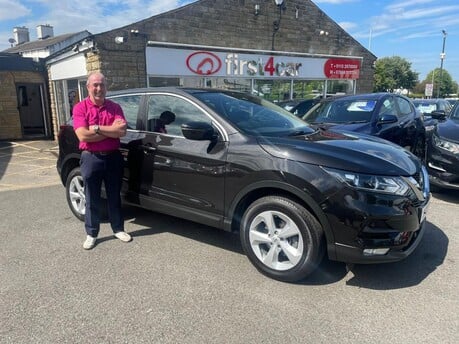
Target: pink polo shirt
86	113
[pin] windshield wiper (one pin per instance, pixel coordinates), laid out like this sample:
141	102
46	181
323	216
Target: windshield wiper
298	133
355	122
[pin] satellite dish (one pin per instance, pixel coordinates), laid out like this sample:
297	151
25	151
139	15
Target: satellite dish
12	40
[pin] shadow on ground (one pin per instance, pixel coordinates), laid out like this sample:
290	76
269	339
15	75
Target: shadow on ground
6	149
447	195
430	253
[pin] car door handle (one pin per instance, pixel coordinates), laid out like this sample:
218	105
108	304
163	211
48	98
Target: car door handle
147	148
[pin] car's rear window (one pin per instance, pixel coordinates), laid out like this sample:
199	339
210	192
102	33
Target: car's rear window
342	111
426	107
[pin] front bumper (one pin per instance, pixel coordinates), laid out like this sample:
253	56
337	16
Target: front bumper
356	255
444	176
443	167
376	228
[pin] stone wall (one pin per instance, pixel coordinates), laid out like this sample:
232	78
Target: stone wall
229	23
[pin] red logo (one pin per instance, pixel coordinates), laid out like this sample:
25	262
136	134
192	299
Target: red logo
203	63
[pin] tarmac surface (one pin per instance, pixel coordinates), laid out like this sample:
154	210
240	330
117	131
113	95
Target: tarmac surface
182	282
28	164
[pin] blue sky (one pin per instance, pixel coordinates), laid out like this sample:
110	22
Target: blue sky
411	29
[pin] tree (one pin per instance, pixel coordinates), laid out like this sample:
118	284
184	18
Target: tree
447	85
393	73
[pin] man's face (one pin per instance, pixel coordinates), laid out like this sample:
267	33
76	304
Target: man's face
96	88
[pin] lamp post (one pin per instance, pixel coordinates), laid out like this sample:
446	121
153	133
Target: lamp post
442	57
276	24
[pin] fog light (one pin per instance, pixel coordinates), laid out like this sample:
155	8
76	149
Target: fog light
375	251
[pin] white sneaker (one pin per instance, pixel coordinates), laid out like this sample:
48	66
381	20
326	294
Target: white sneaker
89	243
123	236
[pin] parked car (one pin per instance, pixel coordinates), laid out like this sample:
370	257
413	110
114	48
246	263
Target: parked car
389	116
302	107
427	106
240	163
289	104
443	150
432	110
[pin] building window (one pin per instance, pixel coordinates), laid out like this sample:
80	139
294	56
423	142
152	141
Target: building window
163	82
59	95
67	94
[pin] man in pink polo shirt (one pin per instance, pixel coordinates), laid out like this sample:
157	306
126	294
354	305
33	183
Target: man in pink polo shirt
99	123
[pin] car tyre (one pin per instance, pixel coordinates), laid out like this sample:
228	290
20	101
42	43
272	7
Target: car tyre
281	238
74	189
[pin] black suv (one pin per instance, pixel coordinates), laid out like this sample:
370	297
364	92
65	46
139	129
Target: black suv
242	164
443	149
386	115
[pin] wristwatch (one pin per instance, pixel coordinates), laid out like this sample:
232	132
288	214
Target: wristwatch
96	129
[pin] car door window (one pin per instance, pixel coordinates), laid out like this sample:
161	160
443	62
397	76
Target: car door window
404	106
167	113
388	108
130	105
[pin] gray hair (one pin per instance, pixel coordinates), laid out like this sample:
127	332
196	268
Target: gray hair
93	74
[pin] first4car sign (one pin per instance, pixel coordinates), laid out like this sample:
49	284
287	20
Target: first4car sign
185	62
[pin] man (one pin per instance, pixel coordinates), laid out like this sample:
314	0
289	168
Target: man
99	123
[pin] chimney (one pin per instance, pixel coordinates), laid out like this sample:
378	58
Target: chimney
21	35
44	31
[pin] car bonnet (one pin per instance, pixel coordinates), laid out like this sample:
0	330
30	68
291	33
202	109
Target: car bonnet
449	130
345	151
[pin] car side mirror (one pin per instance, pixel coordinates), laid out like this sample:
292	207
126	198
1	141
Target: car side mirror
387	118
438	114
199	131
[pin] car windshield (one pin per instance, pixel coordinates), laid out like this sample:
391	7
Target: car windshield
254	115
342	111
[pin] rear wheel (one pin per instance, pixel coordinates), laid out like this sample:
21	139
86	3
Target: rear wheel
74	190
281	238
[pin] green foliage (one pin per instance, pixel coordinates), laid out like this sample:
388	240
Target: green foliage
443	79
393	73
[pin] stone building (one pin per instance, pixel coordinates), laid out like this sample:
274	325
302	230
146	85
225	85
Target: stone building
24	106
276	49
24	97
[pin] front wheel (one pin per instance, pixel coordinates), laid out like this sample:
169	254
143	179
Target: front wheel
74	189
281	238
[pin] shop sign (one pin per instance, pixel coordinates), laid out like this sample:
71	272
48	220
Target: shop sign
203	63
342	69
186	62
428	92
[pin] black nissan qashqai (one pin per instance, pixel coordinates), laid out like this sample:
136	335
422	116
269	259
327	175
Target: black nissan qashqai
240	163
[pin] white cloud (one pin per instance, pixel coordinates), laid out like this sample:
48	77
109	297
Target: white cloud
427	12
11	9
68	16
347	26
408	3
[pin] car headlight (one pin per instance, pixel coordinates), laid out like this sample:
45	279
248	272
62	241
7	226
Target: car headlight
446	145
384	184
